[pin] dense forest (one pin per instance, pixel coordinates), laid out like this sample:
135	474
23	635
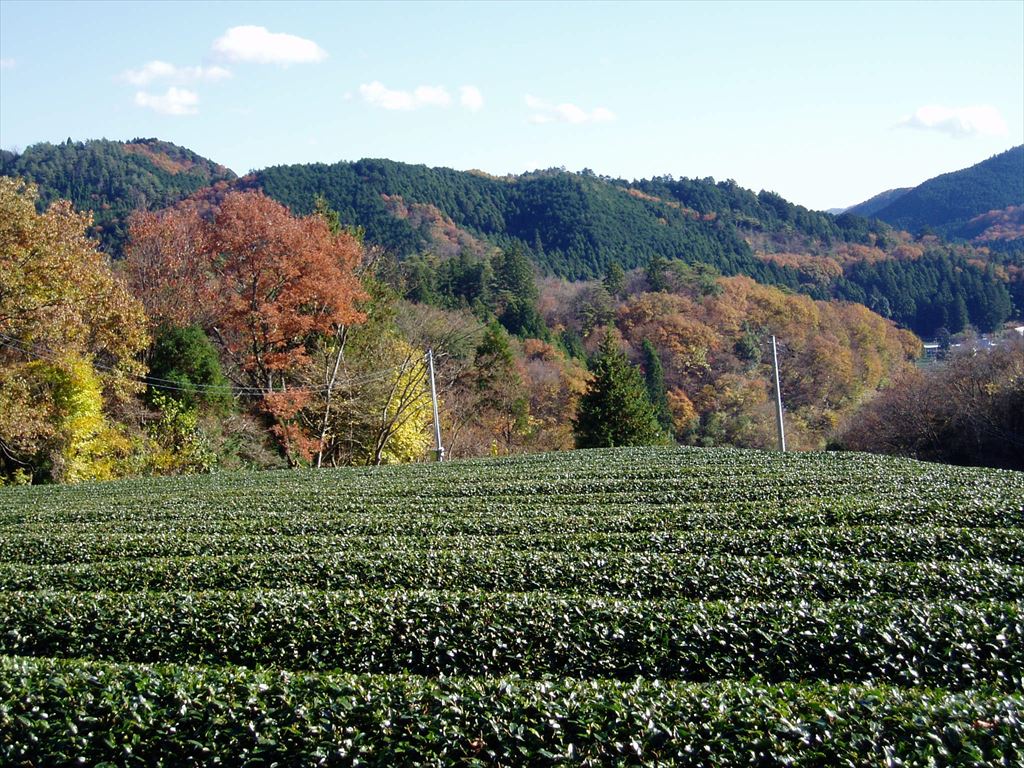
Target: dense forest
234	331
576	225
112	178
946	204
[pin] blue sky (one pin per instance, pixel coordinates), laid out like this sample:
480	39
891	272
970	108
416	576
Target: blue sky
826	103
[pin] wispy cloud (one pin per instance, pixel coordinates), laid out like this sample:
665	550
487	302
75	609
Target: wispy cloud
176	101
261	46
981	120
546	112
8	63
162	70
379	95
471	98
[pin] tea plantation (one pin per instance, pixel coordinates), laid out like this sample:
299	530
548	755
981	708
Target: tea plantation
631	606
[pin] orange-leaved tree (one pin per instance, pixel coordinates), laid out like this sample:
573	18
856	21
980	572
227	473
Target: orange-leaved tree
266	285
69	336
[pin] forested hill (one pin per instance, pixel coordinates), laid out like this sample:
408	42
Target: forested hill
113	178
871	206
947	204
573	224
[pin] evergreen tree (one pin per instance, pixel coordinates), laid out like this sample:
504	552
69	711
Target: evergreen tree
615	279
654	377
655	272
615	409
186	359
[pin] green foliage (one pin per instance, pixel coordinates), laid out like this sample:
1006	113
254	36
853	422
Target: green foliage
184	364
572	225
615	410
615	279
946	203
654	378
167	715
645	606
935	291
516	295
112	178
183	447
85	446
533	634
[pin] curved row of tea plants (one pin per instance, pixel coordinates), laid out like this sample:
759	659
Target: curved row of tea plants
655	606
629	574
945	644
172	715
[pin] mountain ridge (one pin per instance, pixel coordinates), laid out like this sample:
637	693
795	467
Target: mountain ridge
946	204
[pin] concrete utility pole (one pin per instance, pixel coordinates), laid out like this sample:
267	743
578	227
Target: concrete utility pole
438	449
778	398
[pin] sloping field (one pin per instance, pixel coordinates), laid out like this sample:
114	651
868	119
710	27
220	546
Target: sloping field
656	606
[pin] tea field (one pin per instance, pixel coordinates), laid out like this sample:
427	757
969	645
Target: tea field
631	606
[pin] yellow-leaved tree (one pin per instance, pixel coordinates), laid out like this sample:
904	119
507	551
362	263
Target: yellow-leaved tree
70	334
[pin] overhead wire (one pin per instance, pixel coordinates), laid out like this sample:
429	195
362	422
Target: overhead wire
174	386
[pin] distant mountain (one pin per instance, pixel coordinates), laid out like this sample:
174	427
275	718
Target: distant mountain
947	204
872	206
113	178
572	224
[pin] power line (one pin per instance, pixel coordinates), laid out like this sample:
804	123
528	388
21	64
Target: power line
42	353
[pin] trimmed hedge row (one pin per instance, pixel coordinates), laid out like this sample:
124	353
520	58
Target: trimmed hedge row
947	644
846	488
880	543
615	574
56	712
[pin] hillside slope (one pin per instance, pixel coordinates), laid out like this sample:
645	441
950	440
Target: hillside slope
573	224
630	606
946	204
113	178
871	206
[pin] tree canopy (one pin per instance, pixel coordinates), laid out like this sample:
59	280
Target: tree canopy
615	410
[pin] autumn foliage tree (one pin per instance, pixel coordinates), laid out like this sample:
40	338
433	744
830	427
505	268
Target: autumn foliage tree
70	334
263	283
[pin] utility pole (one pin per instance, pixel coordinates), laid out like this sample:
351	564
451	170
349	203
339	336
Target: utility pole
438	448
778	398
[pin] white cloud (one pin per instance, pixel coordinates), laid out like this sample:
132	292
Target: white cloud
471	98
176	101
432	96
545	112
958	121
379	95
7	63
258	44
161	70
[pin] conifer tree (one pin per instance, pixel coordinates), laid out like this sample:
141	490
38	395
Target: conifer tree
615	409
654	377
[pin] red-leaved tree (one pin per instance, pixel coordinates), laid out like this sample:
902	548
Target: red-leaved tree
264	283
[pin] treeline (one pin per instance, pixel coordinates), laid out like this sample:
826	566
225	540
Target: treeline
237	334
575	226
763	211
945	204
571	225
112	178
938	290
968	411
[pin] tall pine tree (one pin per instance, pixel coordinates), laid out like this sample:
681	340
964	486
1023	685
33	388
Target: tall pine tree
615	409
654	378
